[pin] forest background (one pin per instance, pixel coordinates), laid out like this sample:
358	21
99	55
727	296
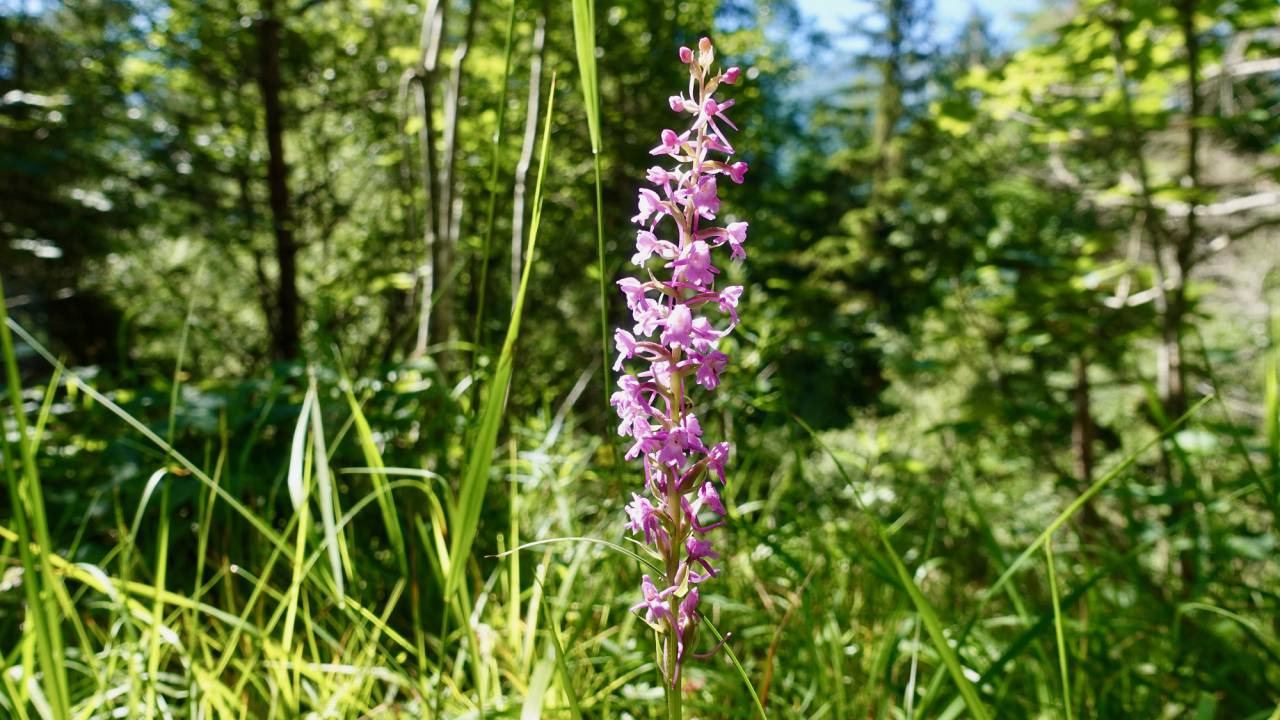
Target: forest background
1005	399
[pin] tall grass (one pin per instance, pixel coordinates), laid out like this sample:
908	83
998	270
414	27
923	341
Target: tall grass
291	626
584	40
928	616
41	586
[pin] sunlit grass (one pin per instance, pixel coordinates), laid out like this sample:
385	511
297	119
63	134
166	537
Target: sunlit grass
301	625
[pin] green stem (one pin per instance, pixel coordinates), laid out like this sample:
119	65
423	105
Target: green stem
440	657
604	300
673	559
674	711
674	690
1057	629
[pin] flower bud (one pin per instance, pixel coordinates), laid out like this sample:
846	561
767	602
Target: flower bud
731	75
686	55
706	55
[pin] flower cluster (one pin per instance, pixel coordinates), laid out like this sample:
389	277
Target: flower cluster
681	469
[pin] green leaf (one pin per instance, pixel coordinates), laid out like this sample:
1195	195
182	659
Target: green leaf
378	477
334	541
537	692
584	38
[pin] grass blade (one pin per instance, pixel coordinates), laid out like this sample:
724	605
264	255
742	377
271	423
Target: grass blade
299	475
476	478
1271	402
378	477
531	709
157	607
584	38
1057	629
335	540
297	493
41	585
742	673
562	667
513	568
1269	644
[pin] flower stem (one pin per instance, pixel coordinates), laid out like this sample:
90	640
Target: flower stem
674	693
604	298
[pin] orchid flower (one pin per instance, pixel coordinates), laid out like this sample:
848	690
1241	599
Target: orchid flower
679	319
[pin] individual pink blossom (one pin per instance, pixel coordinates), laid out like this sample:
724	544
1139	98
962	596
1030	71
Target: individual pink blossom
700	552
653	604
626	344
645	518
736	233
708	496
716	459
729	297
705	336
705	200
658	175
709	368
670	144
646	243
678	325
694	264
649	203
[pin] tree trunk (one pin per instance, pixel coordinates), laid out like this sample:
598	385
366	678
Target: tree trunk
450	205
1082	433
430	40
1170	297
1175	391
889	106
285	333
875	224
